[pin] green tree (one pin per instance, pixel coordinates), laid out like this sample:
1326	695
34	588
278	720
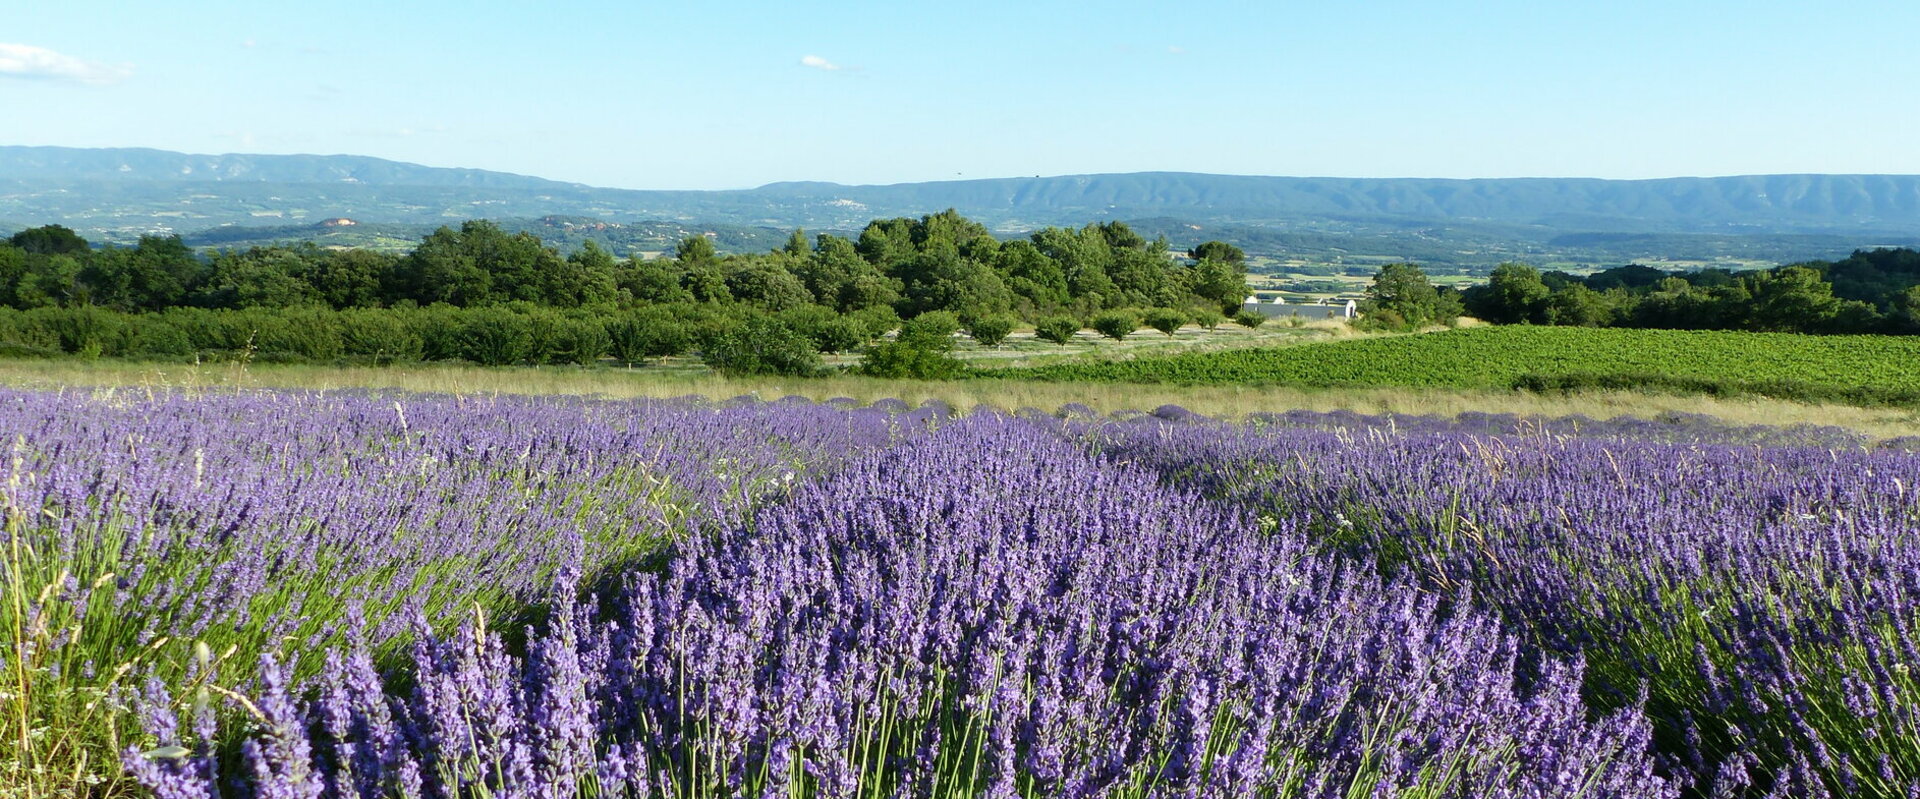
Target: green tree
50	240
1404	291
990	330
1514	294
943	280
587	277
1116	325
922	351
262	277
1057	329
1166	320
765	284
651	281
496	337
1031	275
1792	299
1218	251
1578	306
695	250
156	273
1218	282
349	278
1249	319
761	346
646	334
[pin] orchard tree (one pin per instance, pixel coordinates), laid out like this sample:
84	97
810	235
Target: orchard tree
1402	292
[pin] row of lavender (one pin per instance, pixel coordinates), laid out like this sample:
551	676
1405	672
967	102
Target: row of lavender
890	602
1762	604
172	539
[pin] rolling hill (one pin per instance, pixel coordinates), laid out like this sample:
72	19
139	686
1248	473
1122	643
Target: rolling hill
114	194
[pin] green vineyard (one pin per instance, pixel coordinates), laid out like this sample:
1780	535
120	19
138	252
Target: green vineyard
1856	369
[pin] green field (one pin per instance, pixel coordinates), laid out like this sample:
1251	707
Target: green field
1860	369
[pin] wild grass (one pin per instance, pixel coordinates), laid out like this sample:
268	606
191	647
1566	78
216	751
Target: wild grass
1220	401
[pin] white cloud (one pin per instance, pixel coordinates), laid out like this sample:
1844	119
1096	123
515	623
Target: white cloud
818	63
1176	49
39	63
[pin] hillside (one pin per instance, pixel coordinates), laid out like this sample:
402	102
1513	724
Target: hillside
116	194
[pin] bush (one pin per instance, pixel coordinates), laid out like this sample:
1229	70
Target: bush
761	346
921	351
646	334
1057	329
303	334
989	331
26	336
380	335
84	331
1116	324
879	320
579	340
155	337
932	324
828	330
1249	319
842	334
495	337
1166	320
442	330
1208	318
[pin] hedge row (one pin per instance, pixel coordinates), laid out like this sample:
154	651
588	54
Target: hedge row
498	335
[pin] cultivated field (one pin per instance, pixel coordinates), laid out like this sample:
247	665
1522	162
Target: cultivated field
272	594
1861	369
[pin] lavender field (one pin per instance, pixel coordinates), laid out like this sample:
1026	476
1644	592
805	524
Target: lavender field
369	595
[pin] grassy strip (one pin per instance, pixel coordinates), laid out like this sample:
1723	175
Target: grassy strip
1225	401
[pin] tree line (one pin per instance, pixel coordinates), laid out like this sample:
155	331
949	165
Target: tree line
1871	291
478	293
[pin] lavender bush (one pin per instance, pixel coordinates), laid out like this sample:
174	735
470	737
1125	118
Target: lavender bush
1764	596
982	611
367	595
142	529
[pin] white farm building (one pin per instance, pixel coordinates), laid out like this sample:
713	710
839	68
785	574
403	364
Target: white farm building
1323	309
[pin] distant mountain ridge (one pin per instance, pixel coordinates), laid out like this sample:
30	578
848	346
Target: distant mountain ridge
139	163
120	192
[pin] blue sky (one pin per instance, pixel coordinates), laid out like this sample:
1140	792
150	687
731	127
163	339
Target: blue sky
736	94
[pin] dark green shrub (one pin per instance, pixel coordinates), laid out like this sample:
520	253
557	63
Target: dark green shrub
579	340
86	331
649	333
1116	324
989	331
210	331
154	337
1166	320
806	319
380	335
28	336
1249	319
295	334
841	334
1209	318
761	346
1057	329
921	351
495	337
932	324
879	320
442	330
